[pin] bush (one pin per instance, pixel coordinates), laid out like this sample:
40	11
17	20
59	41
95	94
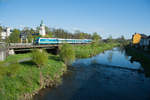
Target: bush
67	53
2	70
10	69
39	57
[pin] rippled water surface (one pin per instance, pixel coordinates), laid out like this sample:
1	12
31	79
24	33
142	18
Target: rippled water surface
112	75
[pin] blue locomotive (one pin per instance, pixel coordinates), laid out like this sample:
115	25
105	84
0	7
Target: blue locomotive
60	40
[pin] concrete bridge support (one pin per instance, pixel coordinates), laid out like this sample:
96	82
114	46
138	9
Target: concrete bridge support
3	51
11	52
2	55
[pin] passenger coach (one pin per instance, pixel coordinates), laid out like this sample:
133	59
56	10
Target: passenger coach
60	40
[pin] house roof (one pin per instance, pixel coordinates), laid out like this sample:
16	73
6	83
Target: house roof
144	36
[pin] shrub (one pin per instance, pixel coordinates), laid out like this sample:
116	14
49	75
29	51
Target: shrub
2	70
39	57
12	69
67	53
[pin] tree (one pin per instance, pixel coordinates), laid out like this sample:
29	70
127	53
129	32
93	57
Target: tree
96	37
109	39
27	33
1	29
67	54
39	57
0	37
29	37
122	38
14	36
49	33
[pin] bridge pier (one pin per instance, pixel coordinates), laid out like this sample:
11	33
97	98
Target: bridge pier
11	52
3	51
2	55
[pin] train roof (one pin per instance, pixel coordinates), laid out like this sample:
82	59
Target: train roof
62	38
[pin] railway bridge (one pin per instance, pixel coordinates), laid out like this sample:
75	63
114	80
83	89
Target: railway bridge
23	47
18	47
12	48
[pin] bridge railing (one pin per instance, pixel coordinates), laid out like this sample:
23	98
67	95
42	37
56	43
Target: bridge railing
21	44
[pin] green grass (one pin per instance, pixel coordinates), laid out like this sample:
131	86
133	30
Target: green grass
17	57
29	78
92	50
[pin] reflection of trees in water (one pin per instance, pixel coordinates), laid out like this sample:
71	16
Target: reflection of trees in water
139	57
127	57
94	61
110	54
121	49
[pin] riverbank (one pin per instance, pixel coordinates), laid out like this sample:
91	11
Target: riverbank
106	76
29	79
140	56
93	49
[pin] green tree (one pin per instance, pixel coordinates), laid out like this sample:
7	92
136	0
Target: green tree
39	57
109	39
28	32
30	38
79	34
1	29
10	69
67	54
0	37
96	37
2	70
14	36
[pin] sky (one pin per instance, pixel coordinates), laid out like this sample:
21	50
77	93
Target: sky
106	17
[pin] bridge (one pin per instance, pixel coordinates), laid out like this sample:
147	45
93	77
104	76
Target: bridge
11	48
15	47
29	45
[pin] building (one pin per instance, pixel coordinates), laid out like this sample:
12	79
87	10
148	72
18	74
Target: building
145	41
140	40
42	31
23	36
5	33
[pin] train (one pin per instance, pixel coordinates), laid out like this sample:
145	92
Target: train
46	41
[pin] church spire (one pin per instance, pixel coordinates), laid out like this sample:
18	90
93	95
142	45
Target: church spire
42	29
41	23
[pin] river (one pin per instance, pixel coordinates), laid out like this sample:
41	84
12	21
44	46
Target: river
112	75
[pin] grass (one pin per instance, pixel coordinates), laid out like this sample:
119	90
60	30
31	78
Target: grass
92	49
29	78
17	57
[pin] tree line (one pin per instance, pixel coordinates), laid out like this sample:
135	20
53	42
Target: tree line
31	34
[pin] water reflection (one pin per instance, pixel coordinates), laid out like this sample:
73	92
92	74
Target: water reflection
141	58
110	54
107	76
115	57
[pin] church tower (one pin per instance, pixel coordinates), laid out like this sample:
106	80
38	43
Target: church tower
42	29
8	31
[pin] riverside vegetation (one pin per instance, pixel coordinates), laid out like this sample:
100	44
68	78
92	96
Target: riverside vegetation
20	80
28	77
